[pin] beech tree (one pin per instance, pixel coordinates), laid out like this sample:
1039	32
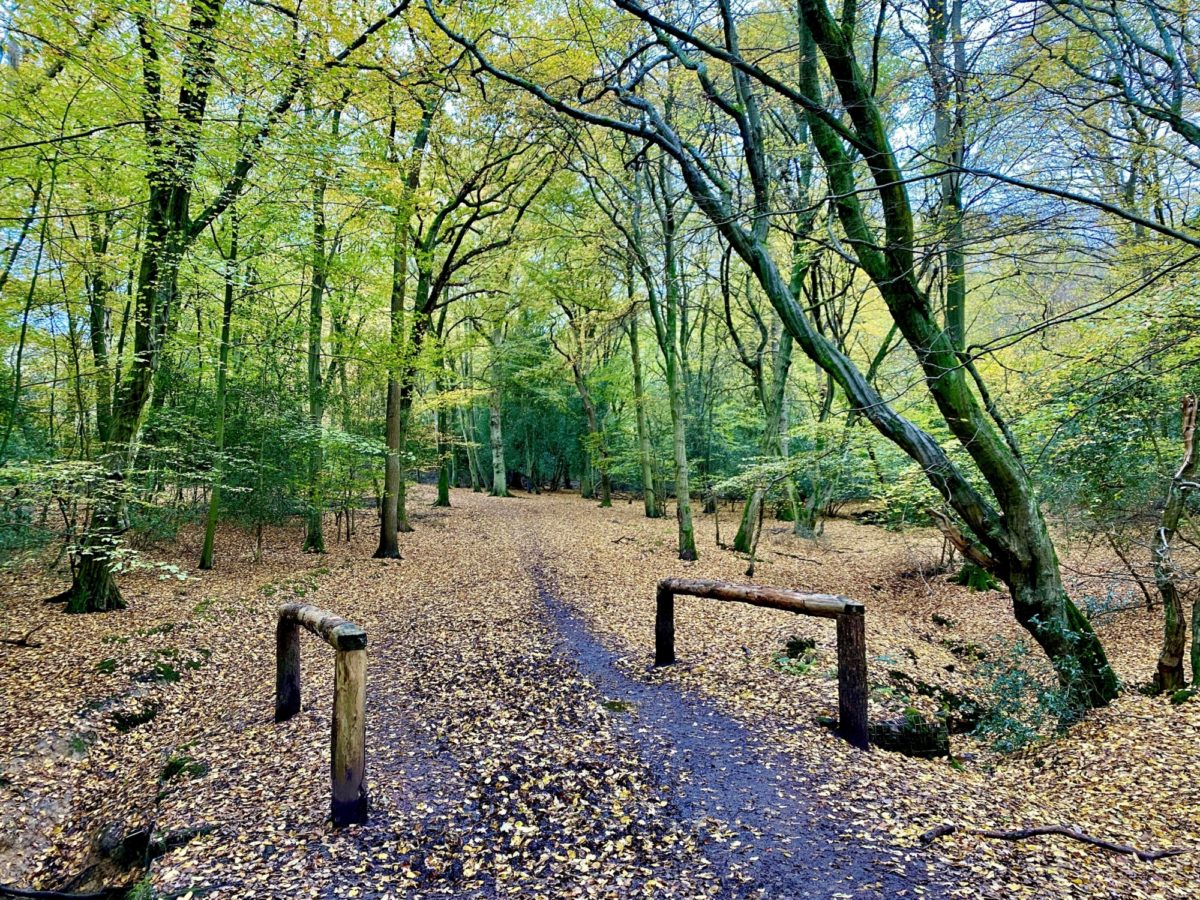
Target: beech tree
1008	532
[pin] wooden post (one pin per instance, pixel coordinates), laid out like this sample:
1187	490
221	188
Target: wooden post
852	677
851	635
348	753
348	739
287	669
664	626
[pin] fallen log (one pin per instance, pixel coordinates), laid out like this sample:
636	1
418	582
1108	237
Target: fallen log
1020	834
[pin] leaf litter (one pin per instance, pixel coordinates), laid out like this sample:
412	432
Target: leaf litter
506	758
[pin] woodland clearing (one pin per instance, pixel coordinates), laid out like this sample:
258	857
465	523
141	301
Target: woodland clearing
519	742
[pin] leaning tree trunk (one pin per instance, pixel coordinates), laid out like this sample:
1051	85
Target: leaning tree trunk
1170	661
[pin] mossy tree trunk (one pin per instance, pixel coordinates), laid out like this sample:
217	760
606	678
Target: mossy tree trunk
1169	676
1008	524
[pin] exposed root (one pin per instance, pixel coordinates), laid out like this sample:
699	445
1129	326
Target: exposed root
1020	834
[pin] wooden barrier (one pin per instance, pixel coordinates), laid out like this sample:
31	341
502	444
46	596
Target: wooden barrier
851	636
348	740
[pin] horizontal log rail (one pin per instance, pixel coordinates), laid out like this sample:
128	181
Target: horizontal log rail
851	635
348	804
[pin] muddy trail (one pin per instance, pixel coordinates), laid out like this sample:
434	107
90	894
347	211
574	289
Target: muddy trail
510	747
752	812
513	740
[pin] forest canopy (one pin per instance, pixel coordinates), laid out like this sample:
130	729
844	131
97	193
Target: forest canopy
932	262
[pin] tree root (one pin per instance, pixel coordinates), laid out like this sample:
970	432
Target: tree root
24	641
114	893
794	556
1019	834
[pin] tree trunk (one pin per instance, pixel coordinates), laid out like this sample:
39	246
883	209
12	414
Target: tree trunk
214	497
595	434
469	446
667	328
645	453
393	513
444	449
1170	661
402	524
94	589
683	498
946	75
499	469
747	536
314	532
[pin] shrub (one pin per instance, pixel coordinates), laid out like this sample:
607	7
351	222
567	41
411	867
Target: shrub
1018	706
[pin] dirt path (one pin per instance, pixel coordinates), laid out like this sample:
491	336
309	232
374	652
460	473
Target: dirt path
510	754
521	744
752	813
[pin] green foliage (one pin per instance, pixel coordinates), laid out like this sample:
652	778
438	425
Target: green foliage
1018	707
975	578
798	656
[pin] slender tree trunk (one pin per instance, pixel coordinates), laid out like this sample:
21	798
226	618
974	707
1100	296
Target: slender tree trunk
683	498
499	469
15	250
214	497
393	511
595	435
667	327
314	532
444	449
945	27
30	293
771	397
645	453
469	446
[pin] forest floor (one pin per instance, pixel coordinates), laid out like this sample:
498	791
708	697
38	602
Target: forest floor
520	743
